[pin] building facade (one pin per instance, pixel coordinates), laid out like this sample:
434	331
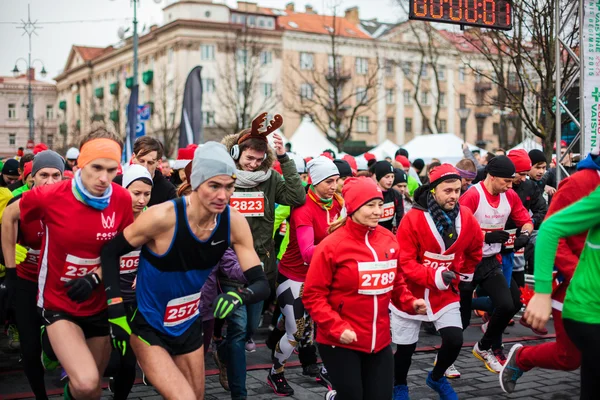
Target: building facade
14	122
263	59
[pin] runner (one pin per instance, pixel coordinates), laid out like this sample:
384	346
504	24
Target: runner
308	227
70	298
562	354
403	163
71	158
433	263
401	186
27	178
181	242
352	316
345	171
10	173
581	313
492	203
393	205
22	161
468	172
47	169
122	367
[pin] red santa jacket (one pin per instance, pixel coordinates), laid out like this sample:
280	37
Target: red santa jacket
352	278
570	190
423	258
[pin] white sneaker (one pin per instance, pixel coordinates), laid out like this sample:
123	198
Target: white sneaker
330	395
488	358
451	372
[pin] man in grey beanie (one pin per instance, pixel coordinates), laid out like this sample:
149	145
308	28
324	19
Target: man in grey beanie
181	242
47	169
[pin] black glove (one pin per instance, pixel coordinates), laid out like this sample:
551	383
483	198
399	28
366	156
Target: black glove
522	241
226	304
496	237
10	283
119	327
448	277
80	289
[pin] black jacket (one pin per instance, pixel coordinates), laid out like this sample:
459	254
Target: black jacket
162	191
393	196
533	200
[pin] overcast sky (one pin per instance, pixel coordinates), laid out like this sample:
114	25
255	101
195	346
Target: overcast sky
54	40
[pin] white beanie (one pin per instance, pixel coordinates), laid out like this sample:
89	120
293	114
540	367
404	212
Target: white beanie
321	168
72	154
299	161
134	173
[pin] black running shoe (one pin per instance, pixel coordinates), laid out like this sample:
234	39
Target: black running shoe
323	379
279	384
312	370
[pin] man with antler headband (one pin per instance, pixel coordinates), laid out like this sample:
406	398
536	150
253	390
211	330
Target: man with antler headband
257	189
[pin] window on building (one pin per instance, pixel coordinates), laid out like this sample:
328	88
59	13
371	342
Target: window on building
251	20
462	101
332	91
361	95
50	141
270	23
362	124
424	98
208	119
462	74
306	91
362	66
170	55
208	85
338	63
388	67
266	57
407	68
424	70
12	139
242	56
479	98
443	126
389	96
441	72
242	85
12	111
407	97
442	99
267	89
390	124
207	52
307	61
408	125
426	129
170	89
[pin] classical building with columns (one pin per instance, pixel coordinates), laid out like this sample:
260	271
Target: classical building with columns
282	46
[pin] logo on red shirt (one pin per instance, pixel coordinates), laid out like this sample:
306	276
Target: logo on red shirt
108	222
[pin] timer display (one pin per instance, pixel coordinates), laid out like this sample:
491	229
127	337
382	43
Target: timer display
493	14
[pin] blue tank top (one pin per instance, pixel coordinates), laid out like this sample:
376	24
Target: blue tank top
169	285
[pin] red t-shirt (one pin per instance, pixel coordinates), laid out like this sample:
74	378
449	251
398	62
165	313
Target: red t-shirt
30	235
74	236
311	214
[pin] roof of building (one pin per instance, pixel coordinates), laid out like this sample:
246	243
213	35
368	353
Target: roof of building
375	28
320	24
89	53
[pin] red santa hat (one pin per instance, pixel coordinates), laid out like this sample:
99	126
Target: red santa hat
184	156
27	170
359	191
39	148
403	160
368	156
521	160
563	144
352	161
442	173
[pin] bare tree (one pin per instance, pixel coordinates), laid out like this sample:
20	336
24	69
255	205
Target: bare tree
167	106
332	96
523	63
241	94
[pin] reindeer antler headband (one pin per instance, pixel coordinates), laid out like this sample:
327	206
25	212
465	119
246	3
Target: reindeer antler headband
257	123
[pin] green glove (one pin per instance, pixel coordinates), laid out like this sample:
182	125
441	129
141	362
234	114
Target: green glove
119	327
20	253
226	303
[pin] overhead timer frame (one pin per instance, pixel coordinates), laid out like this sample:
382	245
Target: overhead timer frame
492	14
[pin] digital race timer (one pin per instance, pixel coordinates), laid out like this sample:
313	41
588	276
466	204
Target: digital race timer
493	14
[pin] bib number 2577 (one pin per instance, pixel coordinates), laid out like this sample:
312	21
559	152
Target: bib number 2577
181	309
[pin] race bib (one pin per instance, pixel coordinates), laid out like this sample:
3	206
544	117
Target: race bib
436	261
487	228
283	228
521	251
32	257
510	243
129	262
182	309
76	267
388	212
249	204
376	277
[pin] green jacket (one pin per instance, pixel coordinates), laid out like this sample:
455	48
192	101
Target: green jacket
20	190
286	190
582	302
412	185
281	214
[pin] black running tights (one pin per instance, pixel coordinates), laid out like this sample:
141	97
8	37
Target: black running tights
452	340
123	367
29	323
585	337
359	376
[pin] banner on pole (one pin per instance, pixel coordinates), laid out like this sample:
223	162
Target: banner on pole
590	62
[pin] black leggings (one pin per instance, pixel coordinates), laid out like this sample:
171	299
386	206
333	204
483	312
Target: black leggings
123	367
359	376
29	323
585	337
452	340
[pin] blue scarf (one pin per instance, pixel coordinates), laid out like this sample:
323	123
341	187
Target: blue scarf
592	161
81	194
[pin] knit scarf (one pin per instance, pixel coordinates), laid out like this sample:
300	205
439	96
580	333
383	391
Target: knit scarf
325	204
251	179
81	194
444	220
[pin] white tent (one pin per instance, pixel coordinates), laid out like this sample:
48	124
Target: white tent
446	147
386	149
309	141
528	144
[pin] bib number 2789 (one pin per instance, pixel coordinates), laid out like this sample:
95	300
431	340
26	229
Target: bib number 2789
376	277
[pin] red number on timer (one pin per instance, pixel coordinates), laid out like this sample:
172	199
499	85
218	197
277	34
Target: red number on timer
508	21
420	8
471	10
440	9
489	17
455	10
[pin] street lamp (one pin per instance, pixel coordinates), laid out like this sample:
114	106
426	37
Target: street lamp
29	64
464	113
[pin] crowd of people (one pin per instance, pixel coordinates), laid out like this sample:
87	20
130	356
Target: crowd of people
157	264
